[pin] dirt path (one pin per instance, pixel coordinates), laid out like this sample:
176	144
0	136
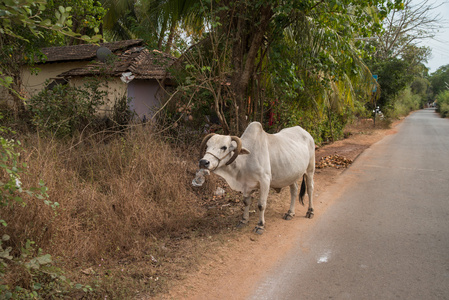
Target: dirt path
232	269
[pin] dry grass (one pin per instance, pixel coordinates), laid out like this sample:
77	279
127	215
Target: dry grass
129	220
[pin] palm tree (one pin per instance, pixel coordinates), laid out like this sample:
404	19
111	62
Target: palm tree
156	21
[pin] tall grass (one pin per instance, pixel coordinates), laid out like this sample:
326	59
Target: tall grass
117	196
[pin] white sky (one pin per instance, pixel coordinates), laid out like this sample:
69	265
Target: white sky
440	44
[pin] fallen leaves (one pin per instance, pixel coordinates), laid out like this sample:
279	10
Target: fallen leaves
333	161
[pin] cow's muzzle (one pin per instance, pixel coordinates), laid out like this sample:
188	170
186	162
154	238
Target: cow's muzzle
204	164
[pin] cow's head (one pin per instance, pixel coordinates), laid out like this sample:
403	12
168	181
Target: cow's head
220	150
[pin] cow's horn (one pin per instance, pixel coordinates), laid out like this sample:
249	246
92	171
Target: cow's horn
204	142
237	150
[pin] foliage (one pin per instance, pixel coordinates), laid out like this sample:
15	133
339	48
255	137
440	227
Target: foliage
161	23
405	102
396	57
323	128
43	278
85	20
32	275
442	100
440	80
393	76
12	169
25	27
421	87
301	51
64	110
121	112
25	20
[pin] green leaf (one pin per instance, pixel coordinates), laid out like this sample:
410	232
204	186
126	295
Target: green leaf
37	286
46	22
45	259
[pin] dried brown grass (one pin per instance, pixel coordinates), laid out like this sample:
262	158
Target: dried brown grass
126	202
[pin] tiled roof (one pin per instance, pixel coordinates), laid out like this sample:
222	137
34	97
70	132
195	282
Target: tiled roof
141	62
85	51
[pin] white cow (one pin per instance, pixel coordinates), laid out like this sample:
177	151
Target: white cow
259	160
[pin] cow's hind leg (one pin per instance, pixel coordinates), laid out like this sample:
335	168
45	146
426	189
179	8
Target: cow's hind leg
309	182
293	194
245	219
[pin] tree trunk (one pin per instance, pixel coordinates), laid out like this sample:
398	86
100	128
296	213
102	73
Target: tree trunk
170	38
19	105
248	41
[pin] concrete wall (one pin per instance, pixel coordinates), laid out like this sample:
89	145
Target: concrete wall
33	83
115	88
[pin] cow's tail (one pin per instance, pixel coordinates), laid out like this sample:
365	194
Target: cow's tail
302	192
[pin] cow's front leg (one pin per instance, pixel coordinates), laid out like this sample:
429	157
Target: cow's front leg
293	194
262	205
245	219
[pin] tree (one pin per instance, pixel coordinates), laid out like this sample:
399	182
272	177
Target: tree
23	29
440	80
404	28
252	32
155	21
421	86
395	55
86	19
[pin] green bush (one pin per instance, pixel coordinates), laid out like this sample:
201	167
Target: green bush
64	109
405	102
442	101
324	128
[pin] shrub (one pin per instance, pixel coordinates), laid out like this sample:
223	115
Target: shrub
404	103
25	272
63	110
442	100
121	113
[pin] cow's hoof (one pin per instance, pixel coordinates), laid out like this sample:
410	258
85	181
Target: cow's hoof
241	224
310	213
259	230
288	216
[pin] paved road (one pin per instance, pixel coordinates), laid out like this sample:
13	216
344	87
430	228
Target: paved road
386	235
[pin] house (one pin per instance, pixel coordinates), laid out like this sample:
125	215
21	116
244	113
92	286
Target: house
138	73
62	59
132	70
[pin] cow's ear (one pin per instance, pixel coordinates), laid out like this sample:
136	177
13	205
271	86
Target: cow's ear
244	151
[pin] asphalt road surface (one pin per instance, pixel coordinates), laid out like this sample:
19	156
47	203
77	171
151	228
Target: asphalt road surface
386	235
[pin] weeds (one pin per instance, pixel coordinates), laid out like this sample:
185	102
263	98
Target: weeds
126	202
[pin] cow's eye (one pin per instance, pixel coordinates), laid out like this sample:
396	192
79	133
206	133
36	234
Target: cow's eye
224	148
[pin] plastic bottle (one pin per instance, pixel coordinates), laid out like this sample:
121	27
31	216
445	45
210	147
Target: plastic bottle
199	178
